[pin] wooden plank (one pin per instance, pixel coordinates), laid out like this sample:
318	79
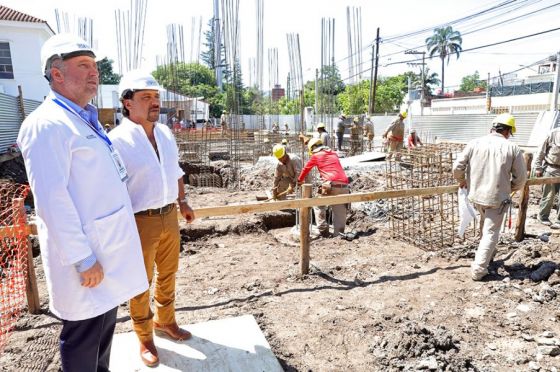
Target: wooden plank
328	200
522	214
304	231
542	180
31	288
10	231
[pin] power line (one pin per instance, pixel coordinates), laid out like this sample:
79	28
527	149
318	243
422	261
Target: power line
471	49
466	18
500	23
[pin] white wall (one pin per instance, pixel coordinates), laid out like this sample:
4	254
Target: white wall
26	40
477	105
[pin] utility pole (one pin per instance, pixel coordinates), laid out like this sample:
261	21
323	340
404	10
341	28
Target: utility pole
370	103
375	73
554	106
488	98
422	77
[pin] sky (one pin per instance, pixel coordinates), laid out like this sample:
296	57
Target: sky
397	18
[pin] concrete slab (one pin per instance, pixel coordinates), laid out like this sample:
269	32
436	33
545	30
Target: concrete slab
232	344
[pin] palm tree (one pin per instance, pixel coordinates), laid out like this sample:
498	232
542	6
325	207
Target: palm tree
444	42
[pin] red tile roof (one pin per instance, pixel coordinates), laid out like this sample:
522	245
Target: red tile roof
7	14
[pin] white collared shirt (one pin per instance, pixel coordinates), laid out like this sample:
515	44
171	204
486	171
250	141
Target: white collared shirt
152	182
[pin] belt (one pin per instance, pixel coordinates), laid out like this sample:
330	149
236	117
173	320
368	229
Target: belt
157	211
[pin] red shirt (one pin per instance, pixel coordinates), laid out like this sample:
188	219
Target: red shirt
328	165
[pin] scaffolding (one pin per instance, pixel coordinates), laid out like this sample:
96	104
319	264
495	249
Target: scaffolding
428	222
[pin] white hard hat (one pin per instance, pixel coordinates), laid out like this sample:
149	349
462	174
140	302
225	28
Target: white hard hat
138	80
64	46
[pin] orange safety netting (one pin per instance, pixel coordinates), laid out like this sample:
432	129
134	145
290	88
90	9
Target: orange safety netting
13	257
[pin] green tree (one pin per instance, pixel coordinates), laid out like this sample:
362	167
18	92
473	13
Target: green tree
106	74
431	80
390	93
443	43
354	100
192	80
471	82
331	83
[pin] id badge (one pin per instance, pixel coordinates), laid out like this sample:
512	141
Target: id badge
119	164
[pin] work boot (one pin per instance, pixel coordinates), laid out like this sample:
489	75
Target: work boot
149	353
544	221
555	226
172	331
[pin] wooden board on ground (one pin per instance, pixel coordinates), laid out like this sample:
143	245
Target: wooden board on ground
232	344
365	157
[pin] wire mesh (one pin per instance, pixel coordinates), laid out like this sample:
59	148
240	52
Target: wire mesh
429	222
13	257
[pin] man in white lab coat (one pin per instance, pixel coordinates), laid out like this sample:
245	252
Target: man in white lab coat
155	186
89	244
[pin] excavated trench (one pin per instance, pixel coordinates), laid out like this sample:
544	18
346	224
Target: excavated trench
254	224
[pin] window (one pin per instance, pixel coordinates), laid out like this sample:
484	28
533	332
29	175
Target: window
6	69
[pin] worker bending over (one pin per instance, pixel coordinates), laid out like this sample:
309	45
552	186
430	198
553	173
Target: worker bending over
286	173
394	135
334	182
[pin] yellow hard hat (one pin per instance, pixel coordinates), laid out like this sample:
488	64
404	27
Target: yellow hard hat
278	151
321	125
505	119
404	114
312	143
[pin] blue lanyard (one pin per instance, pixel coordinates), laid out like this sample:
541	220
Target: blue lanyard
101	134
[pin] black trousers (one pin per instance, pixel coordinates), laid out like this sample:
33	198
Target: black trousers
340	139
85	345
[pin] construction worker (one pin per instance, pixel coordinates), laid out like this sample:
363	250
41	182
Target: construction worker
334	182
156	188
286	173
370	132
355	136
224	122
395	134
275	128
286	129
491	167
285	144
322	134
340	129
547	163
413	140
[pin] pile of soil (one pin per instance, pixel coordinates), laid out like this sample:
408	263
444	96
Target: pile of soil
13	171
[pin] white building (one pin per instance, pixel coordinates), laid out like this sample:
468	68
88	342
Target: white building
21	39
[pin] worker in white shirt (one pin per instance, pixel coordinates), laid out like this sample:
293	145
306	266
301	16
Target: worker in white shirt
155	184
89	244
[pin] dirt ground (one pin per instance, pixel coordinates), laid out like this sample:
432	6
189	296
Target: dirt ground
371	304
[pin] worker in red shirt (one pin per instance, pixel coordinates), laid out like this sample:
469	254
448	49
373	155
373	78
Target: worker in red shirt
334	182
413	140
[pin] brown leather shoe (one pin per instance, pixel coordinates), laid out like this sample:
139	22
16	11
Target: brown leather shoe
173	331
148	353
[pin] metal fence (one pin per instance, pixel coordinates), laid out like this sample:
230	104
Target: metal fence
11	119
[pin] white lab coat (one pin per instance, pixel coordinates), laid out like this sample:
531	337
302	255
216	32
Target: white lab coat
82	208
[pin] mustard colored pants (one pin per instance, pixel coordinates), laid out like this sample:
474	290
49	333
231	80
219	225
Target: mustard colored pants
161	241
